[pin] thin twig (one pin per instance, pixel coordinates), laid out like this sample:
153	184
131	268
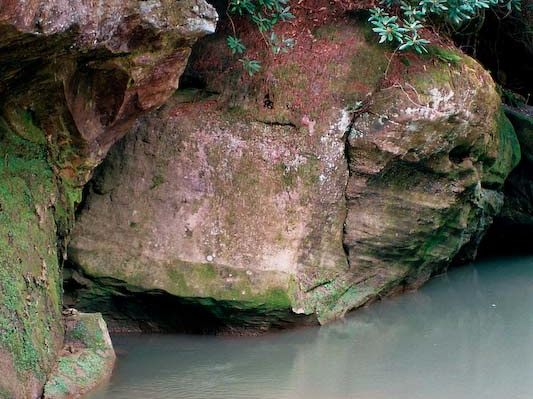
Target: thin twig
231	21
390	61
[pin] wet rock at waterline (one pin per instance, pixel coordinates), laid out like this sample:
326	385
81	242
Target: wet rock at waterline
307	189
73	78
86	360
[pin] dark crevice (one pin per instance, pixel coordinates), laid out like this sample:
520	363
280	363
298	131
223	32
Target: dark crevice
190	81
345	246
495	186
276	123
511	232
318	285
507	239
459	154
503	43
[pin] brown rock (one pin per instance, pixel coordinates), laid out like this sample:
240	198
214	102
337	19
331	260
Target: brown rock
86	361
74	76
340	189
100	66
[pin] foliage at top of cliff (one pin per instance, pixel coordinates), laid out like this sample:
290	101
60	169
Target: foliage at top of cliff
265	14
400	22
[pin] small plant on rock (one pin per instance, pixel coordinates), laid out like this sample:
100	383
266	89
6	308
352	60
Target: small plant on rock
265	14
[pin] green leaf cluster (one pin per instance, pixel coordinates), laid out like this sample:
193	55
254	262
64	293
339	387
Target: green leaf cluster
403	27
265	14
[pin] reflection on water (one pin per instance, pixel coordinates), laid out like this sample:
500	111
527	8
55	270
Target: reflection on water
468	334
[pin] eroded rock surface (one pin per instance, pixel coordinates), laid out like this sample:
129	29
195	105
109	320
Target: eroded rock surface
427	170
73	78
518	207
313	187
87	358
100	65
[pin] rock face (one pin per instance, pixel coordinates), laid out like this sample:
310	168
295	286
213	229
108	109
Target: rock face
222	207
105	64
311	188
87	358
427	170
73	78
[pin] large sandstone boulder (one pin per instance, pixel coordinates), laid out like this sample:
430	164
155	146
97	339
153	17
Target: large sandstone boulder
73	78
308	190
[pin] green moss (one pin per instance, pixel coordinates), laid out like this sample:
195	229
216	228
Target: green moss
288	177
507	156
157	180
30	281
430	78
512	99
446	238
449	56
276	298
207	280
56	387
74	373
206	272
523	125
309	171
368	65
66	366
24	123
88	363
177	279
330	294
91	364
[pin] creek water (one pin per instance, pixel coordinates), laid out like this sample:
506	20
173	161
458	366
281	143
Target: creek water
464	335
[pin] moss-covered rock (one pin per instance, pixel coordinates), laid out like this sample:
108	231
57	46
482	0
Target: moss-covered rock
325	181
87	358
428	163
31	196
73	79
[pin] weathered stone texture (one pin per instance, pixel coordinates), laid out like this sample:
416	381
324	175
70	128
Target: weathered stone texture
322	180
74	75
86	360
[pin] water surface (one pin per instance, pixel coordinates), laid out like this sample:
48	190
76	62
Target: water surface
464	335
